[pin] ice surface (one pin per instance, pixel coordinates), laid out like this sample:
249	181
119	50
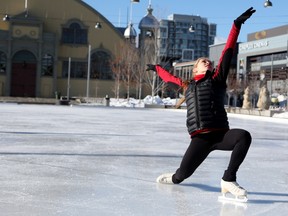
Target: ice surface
63	160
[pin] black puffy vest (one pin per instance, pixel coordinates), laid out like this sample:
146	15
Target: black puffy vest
205	104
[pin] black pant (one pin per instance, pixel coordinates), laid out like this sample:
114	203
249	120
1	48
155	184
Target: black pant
236	140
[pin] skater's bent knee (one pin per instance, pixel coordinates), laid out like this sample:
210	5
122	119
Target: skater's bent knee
247	136
243	135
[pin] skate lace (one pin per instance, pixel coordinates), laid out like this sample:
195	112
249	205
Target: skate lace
164	179
235	188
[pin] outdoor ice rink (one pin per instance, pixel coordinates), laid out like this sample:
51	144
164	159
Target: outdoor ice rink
93	160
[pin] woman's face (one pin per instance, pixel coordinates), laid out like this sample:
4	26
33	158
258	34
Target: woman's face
202	66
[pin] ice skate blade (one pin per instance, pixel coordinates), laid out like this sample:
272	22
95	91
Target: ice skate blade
224	198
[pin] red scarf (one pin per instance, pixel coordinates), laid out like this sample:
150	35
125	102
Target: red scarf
199	77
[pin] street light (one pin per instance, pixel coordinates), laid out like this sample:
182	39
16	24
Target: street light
6	18
98	25
191	28
267	3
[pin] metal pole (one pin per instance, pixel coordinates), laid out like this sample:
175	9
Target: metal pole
68	84
88	72
153	86
131	12
26	8
287	72
271	79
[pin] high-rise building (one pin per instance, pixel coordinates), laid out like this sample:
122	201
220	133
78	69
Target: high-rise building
185	37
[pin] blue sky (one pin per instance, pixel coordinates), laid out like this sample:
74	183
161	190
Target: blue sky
221	12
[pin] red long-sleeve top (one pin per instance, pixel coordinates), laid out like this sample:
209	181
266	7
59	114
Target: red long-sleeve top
220	73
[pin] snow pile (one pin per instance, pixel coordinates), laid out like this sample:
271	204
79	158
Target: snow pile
281	115
153	100
135	103
131	102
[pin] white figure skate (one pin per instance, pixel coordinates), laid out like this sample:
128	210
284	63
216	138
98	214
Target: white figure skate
239	193
165	178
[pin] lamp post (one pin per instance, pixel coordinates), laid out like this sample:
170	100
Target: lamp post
6	18
68	79
88	72
287	71
26	8
130	33
26	5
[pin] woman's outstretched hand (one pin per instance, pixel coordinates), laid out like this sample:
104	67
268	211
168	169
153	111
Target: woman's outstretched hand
244	16
150	67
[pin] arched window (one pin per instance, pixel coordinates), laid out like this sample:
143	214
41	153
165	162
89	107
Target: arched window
100	65
47	65
74	33
3	62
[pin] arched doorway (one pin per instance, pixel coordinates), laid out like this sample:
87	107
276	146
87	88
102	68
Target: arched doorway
23	76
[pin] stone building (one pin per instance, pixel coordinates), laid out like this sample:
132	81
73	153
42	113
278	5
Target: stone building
49	46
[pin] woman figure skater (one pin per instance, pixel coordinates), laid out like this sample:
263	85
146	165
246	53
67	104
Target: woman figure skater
207	120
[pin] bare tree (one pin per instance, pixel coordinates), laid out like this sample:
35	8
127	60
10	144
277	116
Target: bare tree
116	69
124	67
117	66
150	55
131	60
139	72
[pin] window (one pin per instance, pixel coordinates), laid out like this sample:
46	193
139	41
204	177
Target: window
100	65
74	34
77	69
3	62
188	54
47	65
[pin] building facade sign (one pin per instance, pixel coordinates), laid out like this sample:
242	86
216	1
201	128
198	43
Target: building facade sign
264	45
253	45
